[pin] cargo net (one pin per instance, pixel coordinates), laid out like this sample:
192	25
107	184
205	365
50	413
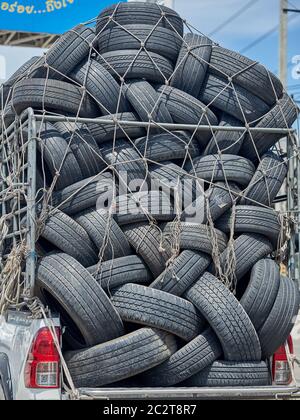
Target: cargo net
156	225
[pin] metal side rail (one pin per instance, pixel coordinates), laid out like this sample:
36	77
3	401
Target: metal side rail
257	393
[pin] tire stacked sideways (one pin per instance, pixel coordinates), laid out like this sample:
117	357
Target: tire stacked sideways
157	233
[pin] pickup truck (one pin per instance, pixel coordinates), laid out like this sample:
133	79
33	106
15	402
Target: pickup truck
31	361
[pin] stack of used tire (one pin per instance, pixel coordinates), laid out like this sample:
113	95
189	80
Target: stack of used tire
149	295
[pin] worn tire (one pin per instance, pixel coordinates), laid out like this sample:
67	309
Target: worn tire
135	64
227	142
139	13
101	86
143	207
146	103
68	51
163	41
251	219
227	318
154	308
261	293
120	359
26	69
195	237
182	273
248	250
237	101
147	241
219	198
82	304
186	362
125	159
83	146
105	233
177	145
228	168
175	181
119	271
68	236
103	133
246	73
227	375
52	95
58	156
266	182
192	64
281	319
282	115
185	109
83	195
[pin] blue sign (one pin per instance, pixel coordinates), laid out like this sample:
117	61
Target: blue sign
48	16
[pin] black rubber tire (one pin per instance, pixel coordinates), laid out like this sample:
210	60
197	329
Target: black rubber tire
7	87
228	375
251	219
101	86
68	236
119	271
52	95
228	142
182	273
186	362
68	51
104	232
177	145
266	182
237	101
109	132
283	115
146	103
136	64
185	109
248	250
143	207
227	318
154	308
175	181
120	359
246	73
192	64
194	237
228	168
219	200
83	305
83	195
147	241
159	40
261	293
281	319
127	163
139	13
58	156
84	147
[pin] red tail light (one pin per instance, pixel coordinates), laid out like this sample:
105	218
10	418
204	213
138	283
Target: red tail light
43	363
282	374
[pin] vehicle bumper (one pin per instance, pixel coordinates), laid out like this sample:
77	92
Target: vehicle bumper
272	393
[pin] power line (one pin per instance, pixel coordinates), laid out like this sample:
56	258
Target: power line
234	16
264	36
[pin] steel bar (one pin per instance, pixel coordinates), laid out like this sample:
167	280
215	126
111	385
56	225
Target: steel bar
291	208
50	118
190	393
31	206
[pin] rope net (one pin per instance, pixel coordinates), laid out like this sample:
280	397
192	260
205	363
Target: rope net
163	173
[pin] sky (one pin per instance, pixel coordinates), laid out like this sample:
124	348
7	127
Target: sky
206	15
